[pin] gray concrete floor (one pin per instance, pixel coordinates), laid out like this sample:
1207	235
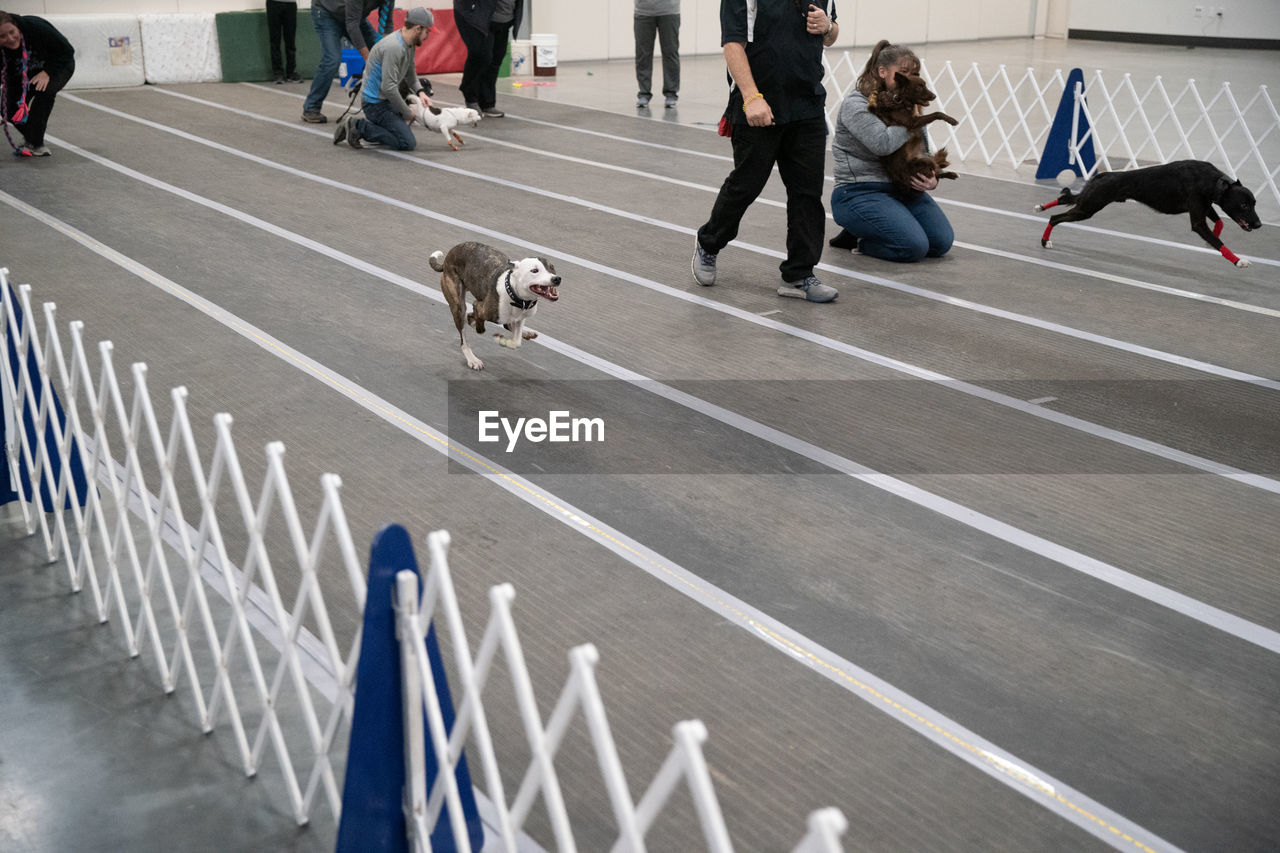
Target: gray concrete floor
1156	715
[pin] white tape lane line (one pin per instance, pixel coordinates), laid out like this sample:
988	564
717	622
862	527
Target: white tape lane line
1097	569
1078	424
1066	802
1046	325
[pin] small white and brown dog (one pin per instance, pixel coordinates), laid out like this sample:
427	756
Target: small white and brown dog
444	120
502	291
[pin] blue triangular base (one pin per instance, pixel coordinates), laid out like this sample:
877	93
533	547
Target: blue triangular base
373	794
1057	150
78	489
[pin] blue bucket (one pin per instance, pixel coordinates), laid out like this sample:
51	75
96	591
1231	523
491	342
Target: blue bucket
352	64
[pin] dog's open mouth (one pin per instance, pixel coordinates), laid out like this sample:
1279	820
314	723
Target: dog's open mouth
546	291
1244	225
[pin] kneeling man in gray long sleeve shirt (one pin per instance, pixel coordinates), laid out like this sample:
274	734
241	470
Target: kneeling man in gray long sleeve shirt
389	79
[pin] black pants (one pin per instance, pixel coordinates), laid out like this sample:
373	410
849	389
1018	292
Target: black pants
485	52
39	104
799	150
667	28
282	20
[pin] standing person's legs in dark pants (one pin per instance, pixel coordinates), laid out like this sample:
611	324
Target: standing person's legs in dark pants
275	28
669	38
289	28
646	28
801	155
755	149
479	46
497	53
485	51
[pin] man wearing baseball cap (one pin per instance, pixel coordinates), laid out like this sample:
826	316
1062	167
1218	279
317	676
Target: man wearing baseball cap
389	80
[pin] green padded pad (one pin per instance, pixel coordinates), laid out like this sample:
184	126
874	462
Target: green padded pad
246	56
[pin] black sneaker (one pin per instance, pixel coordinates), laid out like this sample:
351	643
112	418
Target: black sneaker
340	132
843	240
314	117
492	112
471	105
279	79
292	77
353	135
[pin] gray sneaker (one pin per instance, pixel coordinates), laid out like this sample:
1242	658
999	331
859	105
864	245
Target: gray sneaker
353	134
340	132
809	289
704	265
642	101
314	117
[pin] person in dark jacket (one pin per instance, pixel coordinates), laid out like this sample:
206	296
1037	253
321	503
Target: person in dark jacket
36	61
485	26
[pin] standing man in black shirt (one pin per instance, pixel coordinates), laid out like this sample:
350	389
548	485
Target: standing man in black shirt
36	61
776	115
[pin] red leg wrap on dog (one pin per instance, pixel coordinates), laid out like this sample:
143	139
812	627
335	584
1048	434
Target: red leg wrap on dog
1217	228
1047	229
1049	204
1228	254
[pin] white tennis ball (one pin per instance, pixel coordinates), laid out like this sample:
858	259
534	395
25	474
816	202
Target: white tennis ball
1066	178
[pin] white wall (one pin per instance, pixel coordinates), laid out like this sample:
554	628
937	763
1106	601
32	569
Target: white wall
602	29
1259	19
129	7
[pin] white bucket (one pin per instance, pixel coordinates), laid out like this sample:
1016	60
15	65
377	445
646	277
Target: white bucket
521	58
544	54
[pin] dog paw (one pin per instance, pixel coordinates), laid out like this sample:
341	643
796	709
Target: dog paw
510	343
530	335
951	121
1038	208
475	363
1242	263
1048	244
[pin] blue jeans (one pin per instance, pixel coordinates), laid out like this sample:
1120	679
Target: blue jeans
382	124
330	31
889	228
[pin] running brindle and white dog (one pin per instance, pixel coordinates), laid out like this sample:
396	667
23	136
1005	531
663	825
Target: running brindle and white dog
1185	186
502	291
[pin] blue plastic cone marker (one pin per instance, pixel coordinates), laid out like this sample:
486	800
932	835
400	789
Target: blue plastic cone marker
1057	150
78	489
373	794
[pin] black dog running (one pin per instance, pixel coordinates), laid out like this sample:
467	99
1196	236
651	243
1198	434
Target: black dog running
1185	186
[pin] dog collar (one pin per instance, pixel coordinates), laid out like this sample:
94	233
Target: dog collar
522	304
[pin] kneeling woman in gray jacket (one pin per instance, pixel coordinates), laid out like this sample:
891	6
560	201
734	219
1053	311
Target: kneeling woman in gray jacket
865	203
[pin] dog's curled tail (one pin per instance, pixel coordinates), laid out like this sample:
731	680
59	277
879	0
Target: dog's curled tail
437	260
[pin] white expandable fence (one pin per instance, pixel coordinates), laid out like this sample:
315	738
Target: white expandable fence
156	532
1005	118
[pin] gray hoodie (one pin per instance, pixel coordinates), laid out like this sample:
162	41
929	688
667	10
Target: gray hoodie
861	140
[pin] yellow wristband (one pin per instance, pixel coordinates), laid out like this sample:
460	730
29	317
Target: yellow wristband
752	98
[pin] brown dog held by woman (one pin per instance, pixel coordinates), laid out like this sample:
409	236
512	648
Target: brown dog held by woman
901	106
